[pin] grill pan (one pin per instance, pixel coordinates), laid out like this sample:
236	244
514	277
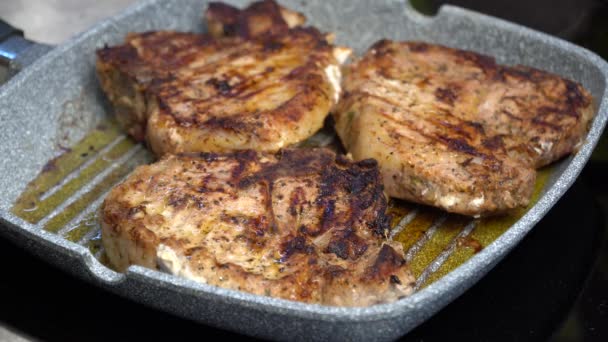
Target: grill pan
61	152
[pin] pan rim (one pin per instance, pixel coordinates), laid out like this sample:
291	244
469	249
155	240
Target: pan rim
453	282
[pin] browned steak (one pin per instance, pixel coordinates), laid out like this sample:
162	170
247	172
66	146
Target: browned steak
264	89
260	18
453	129
303	224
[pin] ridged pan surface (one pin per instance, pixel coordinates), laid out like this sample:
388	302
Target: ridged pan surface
62	152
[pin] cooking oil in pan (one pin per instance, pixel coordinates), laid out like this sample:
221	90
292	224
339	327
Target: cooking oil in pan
451	245
38	199
65	197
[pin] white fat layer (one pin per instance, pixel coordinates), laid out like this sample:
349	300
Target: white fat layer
448	201
171	262
334	75
478	201
341	54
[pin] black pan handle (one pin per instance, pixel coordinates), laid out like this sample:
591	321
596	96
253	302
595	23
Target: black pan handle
16	52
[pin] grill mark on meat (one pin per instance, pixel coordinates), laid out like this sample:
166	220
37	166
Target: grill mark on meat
197	85
298	197
548	110
435	120
301	71
461	145
268	190
510	115
414	115
242	162
246	238
460	128
248	95
239	89
540	122
237	92
446	95
455	144
233	123
493	143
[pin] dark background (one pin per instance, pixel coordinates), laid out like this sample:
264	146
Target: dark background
553	286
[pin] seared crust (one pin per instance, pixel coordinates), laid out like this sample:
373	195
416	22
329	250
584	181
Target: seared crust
453	129
185	92
435	161
534	116
260	18
302	224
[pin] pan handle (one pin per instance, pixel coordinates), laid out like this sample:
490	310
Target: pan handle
16	52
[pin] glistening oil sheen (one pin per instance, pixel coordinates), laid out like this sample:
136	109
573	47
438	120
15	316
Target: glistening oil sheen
105	156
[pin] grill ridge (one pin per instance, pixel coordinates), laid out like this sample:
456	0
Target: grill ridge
428	234
445	254
76	173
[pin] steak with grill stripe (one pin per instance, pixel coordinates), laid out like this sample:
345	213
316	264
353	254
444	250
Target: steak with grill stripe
453	129
302	224
264	88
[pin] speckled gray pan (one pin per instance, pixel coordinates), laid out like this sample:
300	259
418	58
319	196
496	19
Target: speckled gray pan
54	102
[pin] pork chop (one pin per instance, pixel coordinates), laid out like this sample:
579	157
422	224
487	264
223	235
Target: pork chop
183	92
302	224
453	129
259	18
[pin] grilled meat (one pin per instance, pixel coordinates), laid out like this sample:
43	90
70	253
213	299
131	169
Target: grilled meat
453	129
302	224
260	18
186	92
